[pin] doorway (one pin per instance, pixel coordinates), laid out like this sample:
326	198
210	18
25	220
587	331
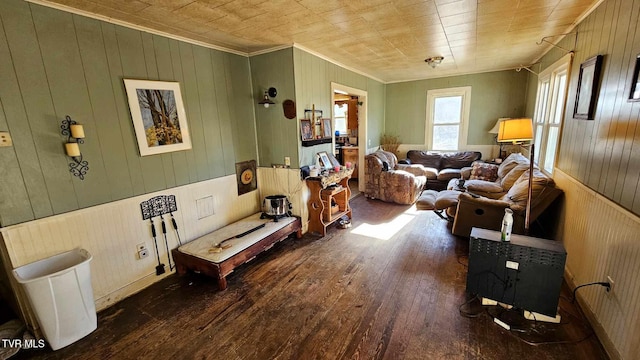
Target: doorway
349	117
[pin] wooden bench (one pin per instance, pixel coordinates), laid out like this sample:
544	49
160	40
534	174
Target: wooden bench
198	257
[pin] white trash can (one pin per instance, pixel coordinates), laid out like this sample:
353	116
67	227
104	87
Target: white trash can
60	292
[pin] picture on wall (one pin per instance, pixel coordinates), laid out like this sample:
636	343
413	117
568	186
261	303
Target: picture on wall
587	94
158	115
246	176
634	94
306	131
326	128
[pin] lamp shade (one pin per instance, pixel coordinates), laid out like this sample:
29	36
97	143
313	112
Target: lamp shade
496	128
515	130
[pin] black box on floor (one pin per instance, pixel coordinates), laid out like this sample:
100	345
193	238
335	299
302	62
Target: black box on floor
525	272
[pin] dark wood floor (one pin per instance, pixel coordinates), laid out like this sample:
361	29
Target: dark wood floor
343	296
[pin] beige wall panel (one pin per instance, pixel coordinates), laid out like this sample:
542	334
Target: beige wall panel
597	249
111	232
280	181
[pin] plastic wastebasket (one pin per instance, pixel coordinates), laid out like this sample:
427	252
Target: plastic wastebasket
59	290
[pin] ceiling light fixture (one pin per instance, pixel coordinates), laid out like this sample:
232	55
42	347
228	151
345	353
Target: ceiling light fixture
434	61
268	94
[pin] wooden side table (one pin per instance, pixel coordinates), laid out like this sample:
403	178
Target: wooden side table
322	194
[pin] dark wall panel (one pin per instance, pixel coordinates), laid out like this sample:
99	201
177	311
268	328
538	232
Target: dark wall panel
604	153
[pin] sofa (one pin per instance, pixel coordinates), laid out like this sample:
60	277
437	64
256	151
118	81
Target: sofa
480	201
387	180
440	168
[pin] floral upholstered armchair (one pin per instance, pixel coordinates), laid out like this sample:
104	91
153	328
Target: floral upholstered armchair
389	181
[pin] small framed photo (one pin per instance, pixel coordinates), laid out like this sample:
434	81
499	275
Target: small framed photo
306	130
587	94
324	161
333	160
312	114
158	115
634	94
326	128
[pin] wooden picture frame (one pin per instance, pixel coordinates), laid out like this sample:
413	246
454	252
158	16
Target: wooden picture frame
312	114
326	128
324	161
634	93
587	93
333	160
306	129
158	115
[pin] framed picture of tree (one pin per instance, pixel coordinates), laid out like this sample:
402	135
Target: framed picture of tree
158	115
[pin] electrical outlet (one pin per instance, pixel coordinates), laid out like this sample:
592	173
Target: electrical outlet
287	161
142	251
611	282
5	139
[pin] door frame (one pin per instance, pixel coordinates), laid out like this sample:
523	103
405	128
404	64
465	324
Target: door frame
362	125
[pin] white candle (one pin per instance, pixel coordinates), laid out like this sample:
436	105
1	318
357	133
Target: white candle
72	149
77	131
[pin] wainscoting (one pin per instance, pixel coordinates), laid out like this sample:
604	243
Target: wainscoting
110	232
602	239
278	181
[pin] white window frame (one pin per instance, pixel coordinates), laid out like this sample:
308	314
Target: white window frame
465	92
543	117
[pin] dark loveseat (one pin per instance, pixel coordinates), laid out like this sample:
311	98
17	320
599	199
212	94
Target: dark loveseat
439	168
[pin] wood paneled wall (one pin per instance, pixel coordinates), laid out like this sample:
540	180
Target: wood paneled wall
598	168
54	64
604	153
111	232
601	240
276	135
313	78
493	95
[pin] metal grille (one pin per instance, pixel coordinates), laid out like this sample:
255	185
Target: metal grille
520	254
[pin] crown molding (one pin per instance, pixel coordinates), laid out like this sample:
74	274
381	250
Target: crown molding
326	58
110	20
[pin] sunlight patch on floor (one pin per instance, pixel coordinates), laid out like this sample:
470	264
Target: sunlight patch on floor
384	231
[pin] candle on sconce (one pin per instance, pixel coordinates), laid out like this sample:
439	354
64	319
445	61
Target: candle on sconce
77	131
72	149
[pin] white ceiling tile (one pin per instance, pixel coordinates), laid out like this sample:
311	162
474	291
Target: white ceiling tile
387	39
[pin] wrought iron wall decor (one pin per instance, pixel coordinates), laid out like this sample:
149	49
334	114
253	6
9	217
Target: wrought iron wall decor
75	136
158	206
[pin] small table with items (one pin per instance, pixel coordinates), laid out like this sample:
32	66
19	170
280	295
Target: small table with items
329	199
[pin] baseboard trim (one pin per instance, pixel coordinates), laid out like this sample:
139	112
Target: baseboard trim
602	335
134	287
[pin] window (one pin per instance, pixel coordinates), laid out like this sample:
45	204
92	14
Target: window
340	116
549	112
447	118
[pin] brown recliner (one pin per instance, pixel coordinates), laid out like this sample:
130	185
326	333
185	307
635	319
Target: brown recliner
389	181
487	213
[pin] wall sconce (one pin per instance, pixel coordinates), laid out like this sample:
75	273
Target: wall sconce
434	61
268	94
75	136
